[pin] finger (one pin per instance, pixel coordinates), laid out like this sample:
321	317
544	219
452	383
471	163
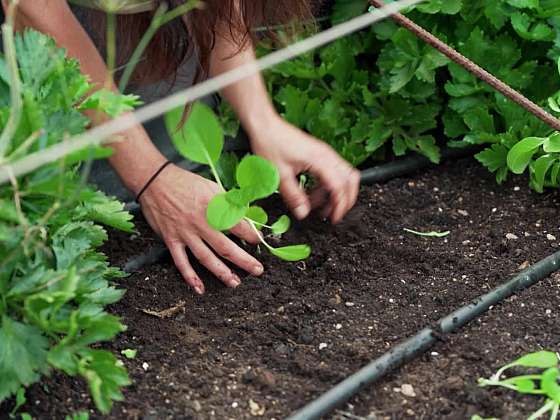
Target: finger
182	263
294	197
335	178
226	248
209	260
244	231
351	195
319	197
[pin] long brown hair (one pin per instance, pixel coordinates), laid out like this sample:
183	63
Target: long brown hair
197	32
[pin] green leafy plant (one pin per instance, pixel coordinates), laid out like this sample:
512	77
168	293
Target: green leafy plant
543	382
383	92
54	283
201	140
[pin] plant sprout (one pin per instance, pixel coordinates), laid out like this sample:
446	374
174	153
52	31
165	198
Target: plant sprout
201	140
544	383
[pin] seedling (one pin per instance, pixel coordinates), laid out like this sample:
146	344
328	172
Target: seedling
544	383
428	234
129	353
201	140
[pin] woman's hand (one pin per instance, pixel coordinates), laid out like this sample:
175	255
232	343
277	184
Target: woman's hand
294	152
175	207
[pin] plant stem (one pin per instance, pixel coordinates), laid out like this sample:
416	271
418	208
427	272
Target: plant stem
160	19
111	47
16	104
547	407
259	234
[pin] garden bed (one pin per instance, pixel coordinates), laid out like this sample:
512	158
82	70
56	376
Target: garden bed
277	342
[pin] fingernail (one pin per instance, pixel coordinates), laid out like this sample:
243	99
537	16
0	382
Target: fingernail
235	281
258	270
199	290
301	212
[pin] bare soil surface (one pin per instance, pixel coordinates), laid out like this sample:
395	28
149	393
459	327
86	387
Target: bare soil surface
268	347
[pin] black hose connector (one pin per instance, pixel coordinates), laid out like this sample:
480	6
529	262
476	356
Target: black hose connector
423	340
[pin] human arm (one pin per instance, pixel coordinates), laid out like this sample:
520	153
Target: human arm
289	148
175	204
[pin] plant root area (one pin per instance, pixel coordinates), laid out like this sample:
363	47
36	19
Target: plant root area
279	341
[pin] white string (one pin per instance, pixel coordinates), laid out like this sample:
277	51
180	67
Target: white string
103	133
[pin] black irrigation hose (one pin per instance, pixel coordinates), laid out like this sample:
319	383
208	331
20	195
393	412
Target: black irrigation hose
423	340
377	174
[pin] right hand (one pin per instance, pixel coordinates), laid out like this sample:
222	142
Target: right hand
175	207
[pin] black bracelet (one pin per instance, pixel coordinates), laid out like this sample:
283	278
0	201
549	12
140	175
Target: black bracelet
152	179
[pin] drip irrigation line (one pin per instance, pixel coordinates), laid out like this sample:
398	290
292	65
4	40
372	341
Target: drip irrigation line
473	68
409	165
423	340
106	132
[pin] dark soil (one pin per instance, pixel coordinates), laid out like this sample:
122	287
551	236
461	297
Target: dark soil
277	342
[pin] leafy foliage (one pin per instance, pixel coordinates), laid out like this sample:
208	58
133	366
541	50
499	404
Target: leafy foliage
543	382
383	92
54	284
201	140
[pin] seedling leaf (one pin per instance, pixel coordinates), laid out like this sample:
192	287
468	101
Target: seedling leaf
539	359
281	226
129	353
257	177
201	139
292	253
257	214
549	384
428	234
223	214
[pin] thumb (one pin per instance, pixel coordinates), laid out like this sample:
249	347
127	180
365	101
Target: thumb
294	197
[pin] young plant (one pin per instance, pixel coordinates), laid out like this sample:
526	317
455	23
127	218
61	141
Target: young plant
543	383
201	140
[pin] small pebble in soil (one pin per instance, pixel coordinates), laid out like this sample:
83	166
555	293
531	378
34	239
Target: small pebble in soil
145	366
407	390
234	404
338	326
349	304
494	210
463	212
323	346
434	353
550	237
516	188
548	311
511	236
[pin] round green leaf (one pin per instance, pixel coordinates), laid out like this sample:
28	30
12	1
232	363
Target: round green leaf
201	139
257	214
292	253
222	214
520	155
257	177
281	226
549	384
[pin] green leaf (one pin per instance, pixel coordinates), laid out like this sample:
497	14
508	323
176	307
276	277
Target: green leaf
23	356
111	103
549	384
129	353
281	226
201	138
552	144
521	154
257	177
540	168
428	234
257	214
223	214
539	359
105	377
226	168
292	253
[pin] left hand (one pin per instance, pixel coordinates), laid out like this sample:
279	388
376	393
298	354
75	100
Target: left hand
293	152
